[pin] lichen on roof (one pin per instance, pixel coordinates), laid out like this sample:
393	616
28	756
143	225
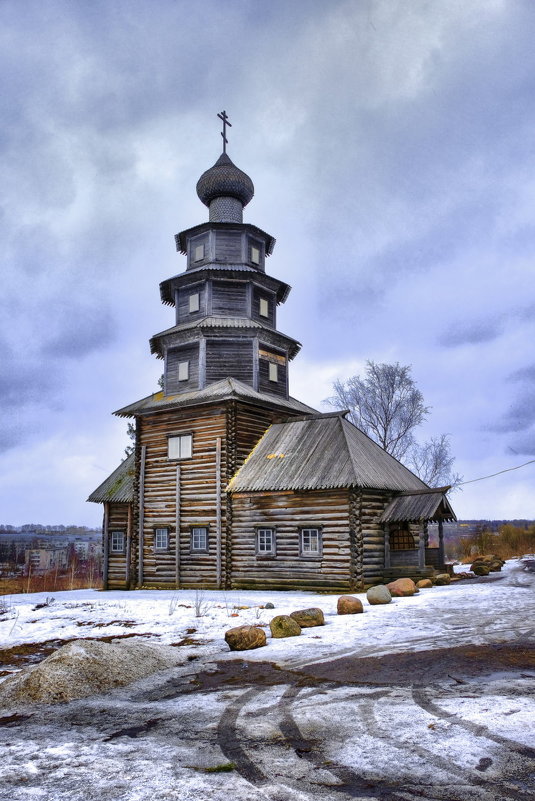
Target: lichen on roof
119	486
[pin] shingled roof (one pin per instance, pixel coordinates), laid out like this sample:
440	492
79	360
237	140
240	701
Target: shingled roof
320	452
227	389
418	506
119	486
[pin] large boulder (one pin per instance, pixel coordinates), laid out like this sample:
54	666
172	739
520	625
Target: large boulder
245	638
308	617
443	578
284	626
349	605
424	584
87	667
402	587
380	594
480	569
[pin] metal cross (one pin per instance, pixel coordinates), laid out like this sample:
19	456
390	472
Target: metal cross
223	117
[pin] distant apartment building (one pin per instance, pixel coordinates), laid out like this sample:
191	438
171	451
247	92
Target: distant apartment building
42	560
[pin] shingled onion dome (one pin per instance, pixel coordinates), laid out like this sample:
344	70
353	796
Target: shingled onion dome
225	189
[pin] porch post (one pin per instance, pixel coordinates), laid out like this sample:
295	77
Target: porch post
441	543
387	544
421	548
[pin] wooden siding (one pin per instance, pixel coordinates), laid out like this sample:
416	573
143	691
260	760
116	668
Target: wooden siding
229	298
189	353
117	521
197	496
278	387
229	357
183	314
202	239
371	505
228	246
287	512
259	292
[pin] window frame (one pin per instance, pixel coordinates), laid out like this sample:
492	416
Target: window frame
258	249
180	436
113	550
273	370
194	300
161	548
183	367
263	303
193	529
304	554
199	247
272	553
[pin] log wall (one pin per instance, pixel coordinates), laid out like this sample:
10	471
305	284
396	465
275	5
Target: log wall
118	517
372	504
287	512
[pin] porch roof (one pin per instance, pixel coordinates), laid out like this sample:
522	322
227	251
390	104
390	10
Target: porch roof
119	486
431	505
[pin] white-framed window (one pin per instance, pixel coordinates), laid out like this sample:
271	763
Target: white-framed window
265	541
179	446
199	538
194	302
255	254
273	371
264	307
198	252
117	542
310	542
183	371
161	539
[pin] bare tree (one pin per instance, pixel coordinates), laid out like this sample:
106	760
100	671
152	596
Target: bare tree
385	404
131	433
433	462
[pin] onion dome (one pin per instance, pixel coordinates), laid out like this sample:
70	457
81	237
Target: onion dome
224	179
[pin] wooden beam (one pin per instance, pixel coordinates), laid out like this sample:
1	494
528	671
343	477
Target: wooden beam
177	528
387	544
106	546
421	548
141	537
441	543
218	510
128	546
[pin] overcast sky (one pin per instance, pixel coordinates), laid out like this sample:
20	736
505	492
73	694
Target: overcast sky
391	144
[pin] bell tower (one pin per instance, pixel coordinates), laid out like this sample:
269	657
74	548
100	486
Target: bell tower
225	303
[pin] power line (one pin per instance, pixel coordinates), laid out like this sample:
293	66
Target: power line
507	470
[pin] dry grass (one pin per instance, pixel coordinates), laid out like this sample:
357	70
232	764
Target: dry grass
510	541
48	582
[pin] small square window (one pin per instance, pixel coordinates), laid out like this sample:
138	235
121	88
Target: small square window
255	255
198	253
194	302
199	538
161	539
310	542
273	372
264	307
183	371
117	542
179	447
265	542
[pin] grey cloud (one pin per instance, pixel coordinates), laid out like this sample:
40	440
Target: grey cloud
77	329
471	334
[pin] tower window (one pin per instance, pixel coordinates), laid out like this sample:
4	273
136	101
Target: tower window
255	255
264	307
179	447
198	253
194	302
161	539
183	371
273	372
199	538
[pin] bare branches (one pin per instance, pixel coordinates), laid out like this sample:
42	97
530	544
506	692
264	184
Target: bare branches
433	462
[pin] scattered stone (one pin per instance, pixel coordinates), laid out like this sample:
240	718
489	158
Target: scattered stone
308	617
349	605
269	605
284	626
402	587
442	578
87	667
492	561
380	594
480	569
424	584
245	638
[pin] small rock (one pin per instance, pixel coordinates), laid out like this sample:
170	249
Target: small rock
349	605
284	626
402	587
269	605
245	638
424	584
442	578
379	594
308	617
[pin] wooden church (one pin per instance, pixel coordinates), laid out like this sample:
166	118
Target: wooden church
233	483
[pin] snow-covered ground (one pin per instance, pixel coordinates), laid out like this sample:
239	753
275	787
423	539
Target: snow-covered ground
358	708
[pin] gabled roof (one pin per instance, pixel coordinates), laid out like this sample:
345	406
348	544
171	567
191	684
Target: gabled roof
119	486
320	452
412	508
227	389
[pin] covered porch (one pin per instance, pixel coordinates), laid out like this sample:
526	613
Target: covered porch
405	525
